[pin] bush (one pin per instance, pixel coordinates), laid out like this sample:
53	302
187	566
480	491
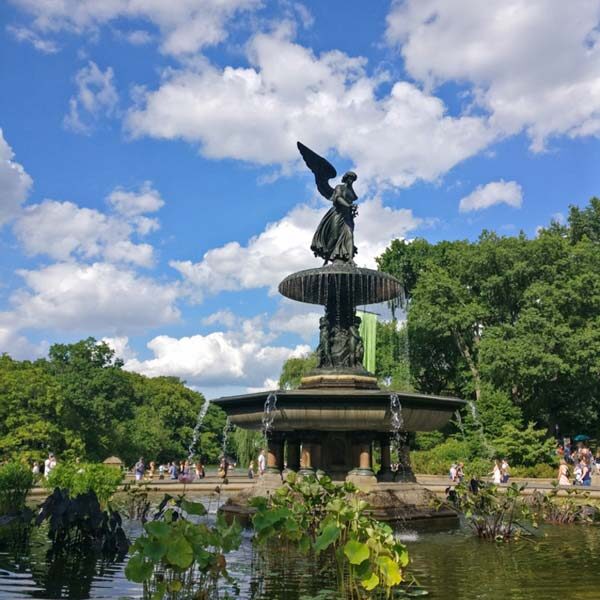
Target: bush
437	461
16	480
80	478
543	471
527	447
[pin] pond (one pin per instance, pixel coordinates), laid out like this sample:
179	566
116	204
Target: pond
560	562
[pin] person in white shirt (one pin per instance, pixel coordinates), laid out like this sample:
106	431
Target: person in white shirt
261	462
49	464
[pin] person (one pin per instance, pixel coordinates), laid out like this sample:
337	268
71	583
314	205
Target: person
152	469
505	468
586	474
161	471
223	467
578	472
261	462
453	472
49	465
496	473
139	469
563	473
173	470
251	470
36	468
460	472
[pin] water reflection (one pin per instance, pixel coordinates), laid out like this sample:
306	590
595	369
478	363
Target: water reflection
563	562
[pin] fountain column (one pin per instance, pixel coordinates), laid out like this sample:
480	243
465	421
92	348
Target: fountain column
385	473
274	453
362	476
307	466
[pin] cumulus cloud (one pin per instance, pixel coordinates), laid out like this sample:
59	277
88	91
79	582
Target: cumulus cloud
294	317
284	247
532	64
96	96
91	298
63	230
120	345
132	204
18	346
15	183
185	25
496	192
215	360
257	113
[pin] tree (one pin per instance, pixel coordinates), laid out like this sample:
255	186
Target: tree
294	369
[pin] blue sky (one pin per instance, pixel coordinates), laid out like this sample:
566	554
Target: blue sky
150	188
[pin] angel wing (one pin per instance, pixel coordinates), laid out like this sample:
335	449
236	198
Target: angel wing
322	169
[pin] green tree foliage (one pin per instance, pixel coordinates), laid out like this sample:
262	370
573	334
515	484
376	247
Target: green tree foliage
509	322
391	356
294	369
81	403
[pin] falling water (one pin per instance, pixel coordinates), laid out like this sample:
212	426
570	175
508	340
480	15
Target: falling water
398	435
459	423
226	431
196	434
269	413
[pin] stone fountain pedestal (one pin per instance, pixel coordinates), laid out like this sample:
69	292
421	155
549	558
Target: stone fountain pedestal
335	430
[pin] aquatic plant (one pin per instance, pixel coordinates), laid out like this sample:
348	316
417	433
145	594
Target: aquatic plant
134	502
492	513
574	507
80	521
16	481
177	557
318	516
80	478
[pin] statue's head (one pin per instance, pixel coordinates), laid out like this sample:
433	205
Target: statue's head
349	177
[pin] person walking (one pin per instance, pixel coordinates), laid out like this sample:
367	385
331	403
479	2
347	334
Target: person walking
505	468
49	465
586	474
139	469
563	473
496	473
251	470
262	462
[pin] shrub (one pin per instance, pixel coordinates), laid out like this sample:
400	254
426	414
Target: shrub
16	480
80	478
542	470
526	447
437	461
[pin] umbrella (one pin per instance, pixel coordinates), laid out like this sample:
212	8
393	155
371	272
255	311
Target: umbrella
581	438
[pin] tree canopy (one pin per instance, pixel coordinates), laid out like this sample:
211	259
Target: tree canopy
513	316
81	403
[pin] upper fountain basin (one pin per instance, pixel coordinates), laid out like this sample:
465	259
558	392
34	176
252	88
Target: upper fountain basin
341	282
340	410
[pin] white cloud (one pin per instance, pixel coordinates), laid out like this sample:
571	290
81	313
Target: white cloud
24	34
221	317
186	26
532	64
16	345
15	183
132	204
121	347
217	359
496	192
91	298
284	247
96	96
287	93
298	318
63	230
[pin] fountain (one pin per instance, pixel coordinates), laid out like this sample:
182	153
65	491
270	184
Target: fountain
332	422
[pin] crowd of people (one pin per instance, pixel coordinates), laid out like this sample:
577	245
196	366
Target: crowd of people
577	465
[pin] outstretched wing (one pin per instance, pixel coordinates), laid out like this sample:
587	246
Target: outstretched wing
322	169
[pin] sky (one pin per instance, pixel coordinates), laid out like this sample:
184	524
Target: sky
151	192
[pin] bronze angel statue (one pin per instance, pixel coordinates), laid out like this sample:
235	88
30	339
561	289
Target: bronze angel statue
334	239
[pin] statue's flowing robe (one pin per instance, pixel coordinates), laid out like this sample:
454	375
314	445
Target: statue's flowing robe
334	237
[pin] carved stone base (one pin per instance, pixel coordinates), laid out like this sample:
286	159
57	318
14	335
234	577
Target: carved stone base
339	380
363	480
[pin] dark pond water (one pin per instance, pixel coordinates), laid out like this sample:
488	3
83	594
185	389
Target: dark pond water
562	563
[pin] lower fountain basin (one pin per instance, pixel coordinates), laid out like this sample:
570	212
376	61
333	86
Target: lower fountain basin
339	410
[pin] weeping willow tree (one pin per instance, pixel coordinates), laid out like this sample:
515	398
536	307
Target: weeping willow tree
247	444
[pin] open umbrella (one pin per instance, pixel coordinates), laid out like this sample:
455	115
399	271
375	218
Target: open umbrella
581	438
